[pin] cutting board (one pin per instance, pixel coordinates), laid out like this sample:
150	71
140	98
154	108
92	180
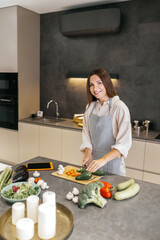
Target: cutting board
70	178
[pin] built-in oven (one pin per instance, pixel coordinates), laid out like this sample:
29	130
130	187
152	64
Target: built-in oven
9	100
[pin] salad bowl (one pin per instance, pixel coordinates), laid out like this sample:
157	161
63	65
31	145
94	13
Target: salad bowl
24	190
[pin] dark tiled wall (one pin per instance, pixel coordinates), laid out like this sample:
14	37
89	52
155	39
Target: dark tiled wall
133	53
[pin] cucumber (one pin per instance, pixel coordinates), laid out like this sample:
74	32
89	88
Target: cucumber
82	169
126	184
127	193
84	176
5	176
99	173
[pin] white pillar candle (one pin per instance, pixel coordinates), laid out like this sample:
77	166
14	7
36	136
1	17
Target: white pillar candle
49	197
32	207
18	210
46	221
25	229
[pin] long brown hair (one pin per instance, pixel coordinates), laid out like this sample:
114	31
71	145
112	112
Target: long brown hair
106	80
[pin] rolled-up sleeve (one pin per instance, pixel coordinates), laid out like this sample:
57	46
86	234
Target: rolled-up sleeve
122	129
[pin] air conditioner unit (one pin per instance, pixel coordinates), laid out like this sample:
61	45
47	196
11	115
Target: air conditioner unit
91	22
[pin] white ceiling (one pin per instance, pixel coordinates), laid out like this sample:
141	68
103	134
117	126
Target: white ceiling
46	6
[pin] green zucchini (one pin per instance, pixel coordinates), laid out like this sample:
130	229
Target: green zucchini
127	193
122	186
84	176
5	176
82	169
99	173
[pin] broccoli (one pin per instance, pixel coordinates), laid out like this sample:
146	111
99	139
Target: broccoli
91	194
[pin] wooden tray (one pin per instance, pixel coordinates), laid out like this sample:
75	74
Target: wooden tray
70	178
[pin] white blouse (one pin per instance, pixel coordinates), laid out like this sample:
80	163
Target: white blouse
121	124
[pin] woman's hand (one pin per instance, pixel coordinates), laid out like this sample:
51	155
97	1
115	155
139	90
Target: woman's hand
87	157
96	164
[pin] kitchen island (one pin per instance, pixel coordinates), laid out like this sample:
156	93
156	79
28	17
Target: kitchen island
136	218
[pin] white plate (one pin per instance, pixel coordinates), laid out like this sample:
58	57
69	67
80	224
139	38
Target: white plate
6	188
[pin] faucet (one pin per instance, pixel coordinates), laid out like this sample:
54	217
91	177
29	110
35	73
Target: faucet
57	113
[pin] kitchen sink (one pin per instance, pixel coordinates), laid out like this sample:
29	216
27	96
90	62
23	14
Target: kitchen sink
49	120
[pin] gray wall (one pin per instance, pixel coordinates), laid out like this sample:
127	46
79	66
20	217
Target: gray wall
133	53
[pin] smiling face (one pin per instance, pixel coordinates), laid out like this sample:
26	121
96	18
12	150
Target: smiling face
97	89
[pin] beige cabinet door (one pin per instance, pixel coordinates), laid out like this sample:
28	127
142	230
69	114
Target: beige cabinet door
9	145
50	142
8	39
152	158
135	158
28	141
151	177
71	141
132	173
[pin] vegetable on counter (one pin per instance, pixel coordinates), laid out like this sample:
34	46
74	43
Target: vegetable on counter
21	191
91	194
75	191
126	184
99	173
19	174
36	174
81	170
84	176
129	192
60	169
5	176
75	199
69	196
73	195
72	172
37	179
107	190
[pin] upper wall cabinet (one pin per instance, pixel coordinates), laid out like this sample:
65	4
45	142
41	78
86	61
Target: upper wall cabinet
20	52
8	39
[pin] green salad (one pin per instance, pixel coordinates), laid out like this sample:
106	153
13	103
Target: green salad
21	191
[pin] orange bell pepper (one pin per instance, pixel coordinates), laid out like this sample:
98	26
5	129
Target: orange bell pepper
106	191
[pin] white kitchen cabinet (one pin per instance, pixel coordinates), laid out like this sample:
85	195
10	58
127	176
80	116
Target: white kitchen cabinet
28	141
9	146
71	141
152	158
135	158
50	142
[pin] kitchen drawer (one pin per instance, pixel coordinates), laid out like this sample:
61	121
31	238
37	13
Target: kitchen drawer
151	177
132	173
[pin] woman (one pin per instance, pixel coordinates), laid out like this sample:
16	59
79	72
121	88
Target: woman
106	135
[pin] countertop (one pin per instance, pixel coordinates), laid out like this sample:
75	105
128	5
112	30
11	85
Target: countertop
136	218
69	124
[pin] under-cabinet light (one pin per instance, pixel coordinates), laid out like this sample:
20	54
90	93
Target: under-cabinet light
82	76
